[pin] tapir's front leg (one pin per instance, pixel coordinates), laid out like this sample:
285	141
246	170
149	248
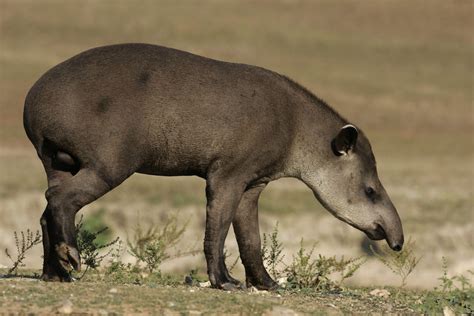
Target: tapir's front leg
223	198
248	237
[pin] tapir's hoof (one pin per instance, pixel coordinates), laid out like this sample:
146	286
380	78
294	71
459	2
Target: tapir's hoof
273	287
68	257
56	278
58	267
229	279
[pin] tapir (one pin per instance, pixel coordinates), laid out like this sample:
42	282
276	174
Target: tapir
109	112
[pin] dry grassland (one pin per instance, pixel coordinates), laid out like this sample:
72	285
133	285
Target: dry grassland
401	70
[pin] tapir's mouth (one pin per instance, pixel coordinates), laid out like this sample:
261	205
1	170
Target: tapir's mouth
378	233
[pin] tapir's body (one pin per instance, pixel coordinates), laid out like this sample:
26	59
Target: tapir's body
112	111
164	112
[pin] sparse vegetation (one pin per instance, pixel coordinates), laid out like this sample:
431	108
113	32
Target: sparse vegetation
305	271
401	263
346	267
151	246
454	294
116	270
308	276
89	247
272	255
27	241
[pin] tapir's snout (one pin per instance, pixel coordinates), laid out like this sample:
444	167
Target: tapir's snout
396	243
393	236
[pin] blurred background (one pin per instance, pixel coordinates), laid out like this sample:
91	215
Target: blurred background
400	70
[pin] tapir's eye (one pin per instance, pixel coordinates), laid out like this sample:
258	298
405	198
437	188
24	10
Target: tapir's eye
370	192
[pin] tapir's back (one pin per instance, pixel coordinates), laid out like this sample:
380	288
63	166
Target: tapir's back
162	106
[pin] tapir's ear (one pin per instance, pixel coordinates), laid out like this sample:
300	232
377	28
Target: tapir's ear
345	140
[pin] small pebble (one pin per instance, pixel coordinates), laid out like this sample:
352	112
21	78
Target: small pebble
380	293
65	308
447	311
282	281
205	284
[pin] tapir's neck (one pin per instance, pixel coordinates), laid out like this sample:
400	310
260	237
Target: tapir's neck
316	126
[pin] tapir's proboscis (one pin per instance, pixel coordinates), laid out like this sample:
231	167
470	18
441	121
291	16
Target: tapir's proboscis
111	111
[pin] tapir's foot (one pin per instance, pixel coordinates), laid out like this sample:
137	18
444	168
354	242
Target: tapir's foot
226	282
229	279
54	272
55	277
58	267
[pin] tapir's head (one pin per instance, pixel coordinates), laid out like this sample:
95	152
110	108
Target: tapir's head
347	184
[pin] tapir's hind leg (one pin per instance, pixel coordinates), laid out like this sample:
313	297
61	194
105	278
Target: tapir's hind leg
55	177
248	238
66	195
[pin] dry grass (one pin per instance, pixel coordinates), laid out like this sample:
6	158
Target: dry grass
28	295
401	70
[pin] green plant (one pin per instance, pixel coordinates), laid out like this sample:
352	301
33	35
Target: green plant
304	272
127	273
151	246
120	272
347	267
115	262
95	221
89	248
449	283
401	263
272	250
454	293
27	241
